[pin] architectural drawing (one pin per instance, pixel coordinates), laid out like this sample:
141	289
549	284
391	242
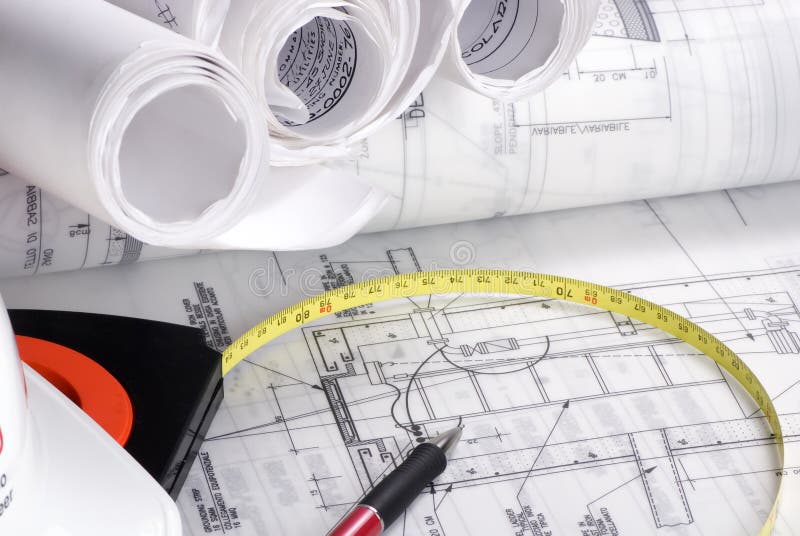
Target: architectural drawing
673	74
577	421
42	234
510	360
626	424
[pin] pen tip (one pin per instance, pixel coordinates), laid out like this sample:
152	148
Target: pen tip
448	440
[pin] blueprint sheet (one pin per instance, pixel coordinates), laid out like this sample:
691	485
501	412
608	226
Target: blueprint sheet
668	97
577	422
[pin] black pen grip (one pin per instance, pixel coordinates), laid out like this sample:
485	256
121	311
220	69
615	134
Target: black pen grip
395	492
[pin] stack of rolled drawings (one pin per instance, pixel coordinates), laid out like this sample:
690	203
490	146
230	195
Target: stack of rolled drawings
135	130
200	124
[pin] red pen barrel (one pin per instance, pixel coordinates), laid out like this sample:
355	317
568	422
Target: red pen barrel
391	496
362	521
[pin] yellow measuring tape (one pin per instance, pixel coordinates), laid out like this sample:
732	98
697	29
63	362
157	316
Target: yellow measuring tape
513	283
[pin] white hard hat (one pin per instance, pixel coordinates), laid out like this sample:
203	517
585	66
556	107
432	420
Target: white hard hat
60	473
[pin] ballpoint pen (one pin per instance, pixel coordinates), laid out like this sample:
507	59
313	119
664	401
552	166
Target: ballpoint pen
387	500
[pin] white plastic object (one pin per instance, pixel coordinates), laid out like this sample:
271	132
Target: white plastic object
60	473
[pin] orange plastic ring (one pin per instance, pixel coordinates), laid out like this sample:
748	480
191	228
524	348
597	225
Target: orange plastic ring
82	380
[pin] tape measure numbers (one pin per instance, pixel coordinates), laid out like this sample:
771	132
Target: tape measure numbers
513	283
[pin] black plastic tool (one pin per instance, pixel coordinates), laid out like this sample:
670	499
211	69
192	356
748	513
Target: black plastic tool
172	378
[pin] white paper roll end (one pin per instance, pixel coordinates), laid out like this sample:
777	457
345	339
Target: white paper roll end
175	152
513	50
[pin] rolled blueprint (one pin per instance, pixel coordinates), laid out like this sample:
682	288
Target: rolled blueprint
132	123
513	49
326	73
153	133
659	103
329	73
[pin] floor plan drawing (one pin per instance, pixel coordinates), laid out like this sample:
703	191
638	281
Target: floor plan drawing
577	421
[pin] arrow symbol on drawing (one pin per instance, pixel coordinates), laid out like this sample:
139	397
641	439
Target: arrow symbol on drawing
606	494
564	408
80	226
298	380
446	493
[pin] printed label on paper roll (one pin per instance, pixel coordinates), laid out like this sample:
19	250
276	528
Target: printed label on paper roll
484	33
318	63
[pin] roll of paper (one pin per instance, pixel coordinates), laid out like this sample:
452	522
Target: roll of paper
512	49
153	133
132	123
326	73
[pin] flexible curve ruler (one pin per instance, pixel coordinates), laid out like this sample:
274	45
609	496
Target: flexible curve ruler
479	281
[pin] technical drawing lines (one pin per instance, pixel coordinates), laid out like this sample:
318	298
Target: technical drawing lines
408	390
121	248
317	491
564	408
612	490
664	489
574	417
689	257
298	380
776	397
